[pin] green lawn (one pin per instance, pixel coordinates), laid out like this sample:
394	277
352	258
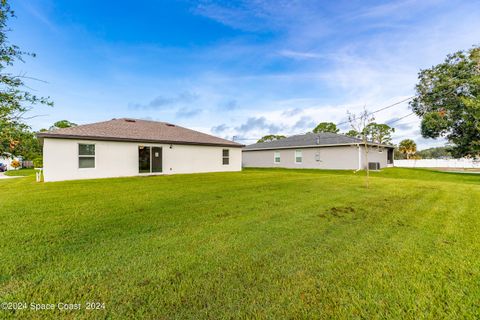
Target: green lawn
20	172
256	244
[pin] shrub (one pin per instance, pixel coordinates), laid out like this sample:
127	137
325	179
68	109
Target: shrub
38	162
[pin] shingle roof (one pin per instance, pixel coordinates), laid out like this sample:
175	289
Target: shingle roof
138	131
307	140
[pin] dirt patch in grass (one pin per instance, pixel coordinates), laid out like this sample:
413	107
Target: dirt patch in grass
338	212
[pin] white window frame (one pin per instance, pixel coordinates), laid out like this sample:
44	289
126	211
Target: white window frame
151	146
226	157
94	156
295	156
275	157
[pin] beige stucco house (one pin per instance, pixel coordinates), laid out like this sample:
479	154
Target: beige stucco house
131	147
317	151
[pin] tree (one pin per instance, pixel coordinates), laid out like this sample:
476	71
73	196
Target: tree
22	141
326	127
62	124
408	147
359	123
28	145
15	101
352	133
397	155
379	133
435	153
448	101
270	137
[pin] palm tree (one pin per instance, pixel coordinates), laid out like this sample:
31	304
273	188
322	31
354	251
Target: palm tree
408	147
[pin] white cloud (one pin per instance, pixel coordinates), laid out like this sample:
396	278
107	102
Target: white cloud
300	55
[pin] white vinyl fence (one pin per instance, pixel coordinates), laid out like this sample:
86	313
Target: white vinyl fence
437	163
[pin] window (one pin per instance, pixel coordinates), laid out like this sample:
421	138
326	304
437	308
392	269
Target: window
226	156
86	156
298	156
276	157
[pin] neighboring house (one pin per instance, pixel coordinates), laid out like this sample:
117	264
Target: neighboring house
130	147
316	151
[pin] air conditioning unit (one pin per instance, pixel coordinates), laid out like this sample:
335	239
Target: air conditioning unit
374	166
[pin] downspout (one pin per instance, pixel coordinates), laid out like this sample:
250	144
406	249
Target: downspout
359	158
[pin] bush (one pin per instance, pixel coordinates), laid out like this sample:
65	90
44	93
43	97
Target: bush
38	162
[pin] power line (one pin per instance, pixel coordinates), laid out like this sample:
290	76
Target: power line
373	112
399	102
381	109
401	118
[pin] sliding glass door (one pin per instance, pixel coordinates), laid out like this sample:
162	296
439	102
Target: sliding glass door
143	159
149	159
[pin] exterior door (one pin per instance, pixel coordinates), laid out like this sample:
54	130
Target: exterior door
390	156
156	159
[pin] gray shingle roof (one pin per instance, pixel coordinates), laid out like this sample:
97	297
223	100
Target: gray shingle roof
138	131
306	140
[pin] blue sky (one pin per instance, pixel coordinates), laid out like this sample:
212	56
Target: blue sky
236	68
